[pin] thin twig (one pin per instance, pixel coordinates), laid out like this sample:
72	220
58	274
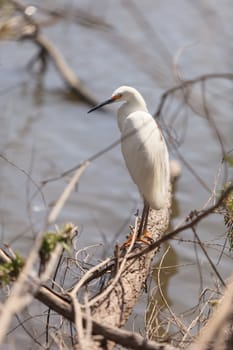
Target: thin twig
66	193
125	338
29	177
187	83
63	68
200	216
208	258
177	321
223	314
78	322
118	274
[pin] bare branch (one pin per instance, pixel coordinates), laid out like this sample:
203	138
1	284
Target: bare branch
212	335
24	289
125	338
186	83
66	193
192	223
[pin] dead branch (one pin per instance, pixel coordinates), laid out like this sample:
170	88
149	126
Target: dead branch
186	83
24	27
62	305
66	193
215	335
64	70
26	286
76	15
198	217
111	310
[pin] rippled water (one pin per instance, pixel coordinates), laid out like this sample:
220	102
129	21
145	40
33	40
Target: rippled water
44	131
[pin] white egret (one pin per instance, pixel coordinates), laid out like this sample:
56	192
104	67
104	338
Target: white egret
144	150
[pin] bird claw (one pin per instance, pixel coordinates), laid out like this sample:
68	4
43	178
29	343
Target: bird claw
145	238
147	235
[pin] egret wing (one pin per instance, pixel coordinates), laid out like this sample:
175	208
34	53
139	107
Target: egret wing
146	156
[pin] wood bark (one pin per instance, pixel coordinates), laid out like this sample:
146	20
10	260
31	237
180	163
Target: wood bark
116	308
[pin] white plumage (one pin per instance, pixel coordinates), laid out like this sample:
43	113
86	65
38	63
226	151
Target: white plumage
143	147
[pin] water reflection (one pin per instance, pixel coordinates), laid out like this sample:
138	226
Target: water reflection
163	270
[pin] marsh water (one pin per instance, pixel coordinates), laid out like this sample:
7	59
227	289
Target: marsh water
45	130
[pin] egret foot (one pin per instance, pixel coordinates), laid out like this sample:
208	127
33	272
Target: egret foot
145	238
147	235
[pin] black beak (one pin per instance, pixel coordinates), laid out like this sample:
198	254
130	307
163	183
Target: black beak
110	100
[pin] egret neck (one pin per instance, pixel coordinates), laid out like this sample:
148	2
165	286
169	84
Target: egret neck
133	104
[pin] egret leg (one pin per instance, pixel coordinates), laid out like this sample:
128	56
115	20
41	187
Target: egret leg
142	234
144	219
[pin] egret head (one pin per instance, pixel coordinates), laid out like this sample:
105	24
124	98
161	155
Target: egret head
123	93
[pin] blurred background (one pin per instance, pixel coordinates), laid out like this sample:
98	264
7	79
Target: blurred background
45	130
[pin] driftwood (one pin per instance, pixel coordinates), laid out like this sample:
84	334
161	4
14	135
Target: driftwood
70	78
110	308
109	311
24	27
115	302
62	306
115	308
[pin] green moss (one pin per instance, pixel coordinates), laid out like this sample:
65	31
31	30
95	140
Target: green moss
228	217
10	271
51	239
229	160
